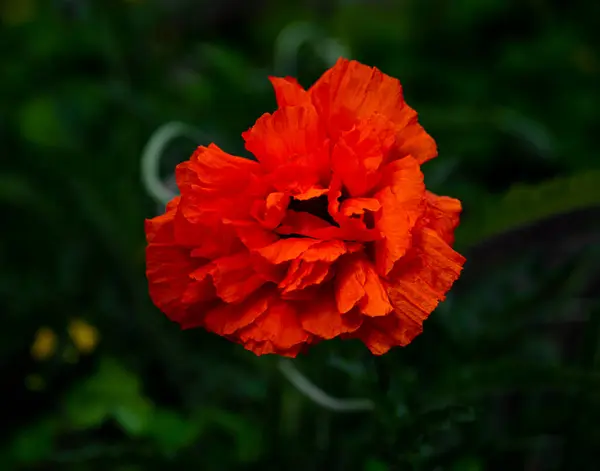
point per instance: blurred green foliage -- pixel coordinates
(507, 372)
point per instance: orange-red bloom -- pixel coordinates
(329, 233)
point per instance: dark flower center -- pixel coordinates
(316, 206)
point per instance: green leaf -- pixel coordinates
(171, 431)
(375, 465)
(526, 204)
(83, 412)
(133, 415)
(35, 442)
(41, 123)
(467, 464)
(248, 442)
(112, 392)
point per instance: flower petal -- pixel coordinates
(310, 193)
(421, 280)
(289, 92)
(442, 214)
(357, 206)
(351, 91)
(202, 231)
(168, 267)
(253, 235)
(357, 282)
(270, 212)
(285, 250)
(377, 341)
(298, 179)
(215, 186)
(313, 267)
(235, 276)
(226, 319)
(278, 325)
(308, 225)
(290, 136)
(359, 153)
(327, 251)
(267, 347)
(380, 334)
(401, 199)
(216, 172)
(162, 226)
(302, 274)
(322, 318)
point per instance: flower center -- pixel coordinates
(316, 206)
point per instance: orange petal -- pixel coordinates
(308, 225)
(401, 201)
(265, 348)
(442, 214)
(350, 229)
(399, 327)
(199, 292)
(313, 266)
(380, 334)
(206, 234)
(271, 211)
(234, 277)
(279, 325)
(299, 179)
(357, 218)
(313, 192)
(302, 274)
(327, 251)
(359, 152)
(291, 135)
(162, 225)
(323, 319)
(418, 283)
(215, 186)
(377, 342)
(413, 140)
(289, 92)
(229, 318)
(215, 170)
(351, 91)
(357, 282)
(168, 269)
(305, 294)
(254, 236)
(285, 250)
(357, 206)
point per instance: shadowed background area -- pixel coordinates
(507, 373)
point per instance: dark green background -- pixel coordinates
(507, 373)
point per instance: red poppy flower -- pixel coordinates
(330, 232)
